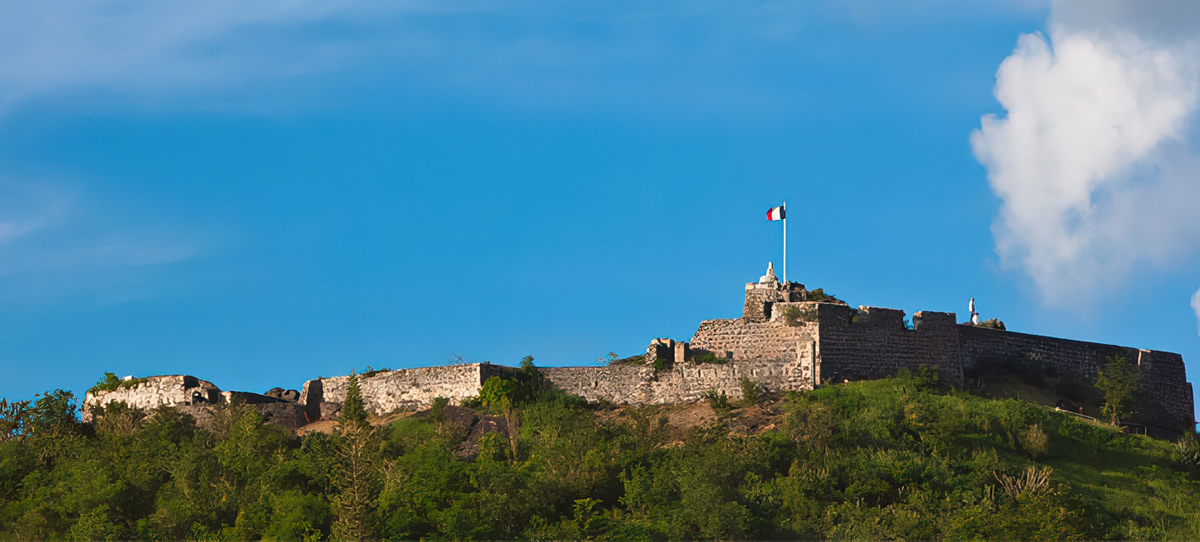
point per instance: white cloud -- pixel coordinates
(28, 208)
(536, 53)
(1093, 159)
(54, 246)
(145, 46)
(1196, 308)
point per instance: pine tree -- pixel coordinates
(358, 480)
(353, 412)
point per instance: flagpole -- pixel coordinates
(785, 243)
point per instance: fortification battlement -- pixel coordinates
(787, 338)
(780, 324)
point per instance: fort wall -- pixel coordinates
(155, 391)
(405, 389)
(682, 382)
(873, 342)
(782, 342)
(777, 337)
(1166, 396)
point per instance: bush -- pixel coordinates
(371, 371)
(1187, 454)
(718, 401)
(794, 316)
(496, 391)
(705, 356)
(751, 395)
(992, 323)
(928, 379)
(1034, 441)
(471, 402)
(820, 296)
(110, 382)
(437, 411)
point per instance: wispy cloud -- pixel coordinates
(54, 247)
(534, 53)
(1093, 159)
(26, 208)
(146, 47)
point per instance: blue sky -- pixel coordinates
(259, 196)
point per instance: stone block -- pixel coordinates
(329, 410)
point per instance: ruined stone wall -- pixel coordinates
(156, 391)
(683, 382)
(773, 340)
(874, 343)
(1166, 398)
(405, 389)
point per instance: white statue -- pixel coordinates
(974, 315)
(770, 276)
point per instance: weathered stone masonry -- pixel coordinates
(782, 342)
(872, 342)
(406, 389)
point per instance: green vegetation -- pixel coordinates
(1118, 382)
(110, 382)
(718, 401)
(794, 316)
(992, 323)
(705, 356)
(902, 458)
(819, 295)
(751, 394)
(371, 371)
(353, 412)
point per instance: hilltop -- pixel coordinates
(897, 458)
(788, 338)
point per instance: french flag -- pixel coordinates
(776, 213)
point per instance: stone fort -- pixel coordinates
(786, 339)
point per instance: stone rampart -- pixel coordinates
(682, 382)
(772, 340)
(1166, 396)
(405, 389)
(153, 392)
(782, 342)
(873, 343)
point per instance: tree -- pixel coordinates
(353, 412)
(1118, 381)
(358, 481)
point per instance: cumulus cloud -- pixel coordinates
(1094, 158)
(1196, 307)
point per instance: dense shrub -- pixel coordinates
(751, 394)
(819, 295)
(718, 401)
(110, 382)
(899, 458)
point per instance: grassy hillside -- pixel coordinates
(893, 459)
